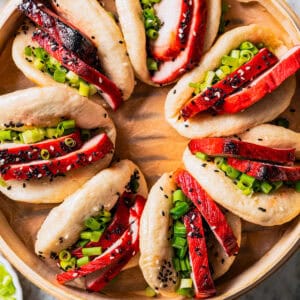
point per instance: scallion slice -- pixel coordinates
(179, 229)
(64, 255)
(297, 186)
(33, 135)
(92, 223)
(178, 195)
(93, 251)
(149, 292)
(45, 155)
(186, 283)
(152, 64)
(59, 76)
(70, 142)
(265, 187)
(180, 209)
(179, 242)
(84, 89)
(201, 155)
(82, 261)
(5, 135)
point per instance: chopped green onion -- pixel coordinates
(95, 236)
(181, 252)
(235, 53)
(246, 46)
(66, 265)
(297, 186)
(73, 78)
(179, 229)
(82, 261)
(219, 161)
(230, 61)
(51, 133)
(201, 155)
(247, 55)
(232, 173)
(65, 127)
(186, 283)
(176, 264)
(178, 242)
(209, 77)
(64, 255)
(220, 74)
(59, 76)
(183, 265)
(93, 251)
(180, 209)
(178, 195)
(86, 235)
(5, 135)
(28, 51)
(3, 182)
(188, 264)
(247, 180)
(105, 213)
(93, 90)
(40, 53)
(38, 64)
(82, 243)
(7, 288)
(70, 142)
(265, 187)
(84, 89)
(45, 154)
(152, 64)
(33, 135)
(189, 293)
(152, 34)
(224, 166)
(149, 292)
(92, 223)
(245, 190)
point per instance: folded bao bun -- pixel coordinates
(44, 107)
(204, 124)
(94, 21)
(262, 209)
(155, 243)
(112, 55)
(132, 24)
(62, 227)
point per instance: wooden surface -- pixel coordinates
(144, 137)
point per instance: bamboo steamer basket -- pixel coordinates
(146, 138)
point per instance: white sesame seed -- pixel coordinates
(90, 158)
(69, 167)
(51, 148)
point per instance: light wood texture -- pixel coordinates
(145, 137)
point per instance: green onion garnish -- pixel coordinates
(70, 142)
(5, 135)
(95, 236)
(3, 182)
(176, 264)
(86, 235)
(84, 89)
(179, 229)
(277, 185)
(64, 255)
(152, 34)
(82, 261)
(247, 180)
(45, 154)
(66, 265)
(152, 64)
(59, 76)
(51, 133)
(266, 188)
(181, 252)
(149, 292)
(92, 223)
(179, 242)
(28, 51)
(33, 135)
(186, 283)
(178, 195)
(93, 251)
(180, 209)
(201, 155)
(232, 173)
